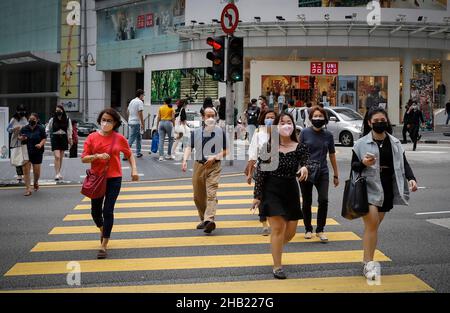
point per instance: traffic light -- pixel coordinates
(235, 64)
(217, 56)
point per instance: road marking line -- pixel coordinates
(191, 262)
(181, 242)
(160, 214)
(182, 187)
(122, 205)
(444, 222)
(347, 284)
(438, 212)
(126, 228)
(177, 195)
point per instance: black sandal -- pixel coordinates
(101, 254)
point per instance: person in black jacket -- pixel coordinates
(405, 120)
(415, 120)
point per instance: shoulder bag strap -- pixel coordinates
(110, 151)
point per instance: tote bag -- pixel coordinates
(355, 203)
(19, 155)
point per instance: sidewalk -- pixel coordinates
(440, 135)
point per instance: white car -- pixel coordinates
(345, 124)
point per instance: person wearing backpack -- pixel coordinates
(252, 115)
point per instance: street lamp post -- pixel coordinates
(85, 61)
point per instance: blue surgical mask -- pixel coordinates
(268, 122)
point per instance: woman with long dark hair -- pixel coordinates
(381, 158)
(103, 149)
(59, 129)
(277, 193)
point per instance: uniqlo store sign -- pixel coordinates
(318, 68)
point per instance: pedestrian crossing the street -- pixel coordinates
(155, 242)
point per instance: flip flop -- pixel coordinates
(101, 254)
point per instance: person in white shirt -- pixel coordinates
(136, 121)
(260, 137)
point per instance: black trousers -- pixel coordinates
(103, 208)
(73, 152)
(322, 186)
(404, 132)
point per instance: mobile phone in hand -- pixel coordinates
(370, 155)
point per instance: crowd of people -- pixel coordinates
(285, 167)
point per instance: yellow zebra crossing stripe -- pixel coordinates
(66, 230)
(190, 195)
(349, 284)
(191, 262)
(180, 242)
(123, 205)
(159, 214)
(181, 187)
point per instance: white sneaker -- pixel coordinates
(170, 157)
(308, 235)
(161, 159)
(322, 237)
(370, 271)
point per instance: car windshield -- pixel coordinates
(191, 116)
(349, 115)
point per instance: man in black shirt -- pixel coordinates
(415, 119)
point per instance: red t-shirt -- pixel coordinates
(97, 143)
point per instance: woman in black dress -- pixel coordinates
(33, 135)
(276, 188)
(60, 130)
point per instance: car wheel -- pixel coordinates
(346, 139)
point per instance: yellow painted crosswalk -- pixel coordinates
(236, 231)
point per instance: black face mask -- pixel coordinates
(318, 123)
(380, 127)
(32, 123)
(22, 113)
(59, 114)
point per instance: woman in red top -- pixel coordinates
(100, 148)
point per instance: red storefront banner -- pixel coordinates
(304, 82)
(331, 68)
(316, 68)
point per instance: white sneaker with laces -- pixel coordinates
(322, 237)
(161, 159)
(370, 271)
(308, 235)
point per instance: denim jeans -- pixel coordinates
(322, 186)
(102, 210)
(135, 134)
(165, 128)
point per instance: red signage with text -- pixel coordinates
(331, 68)
(316, 68)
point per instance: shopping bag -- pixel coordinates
(155, 142)
(19, 155)
(355, 202)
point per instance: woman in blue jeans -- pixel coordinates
(165, 124)
(320, 143)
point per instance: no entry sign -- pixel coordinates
(230, 18)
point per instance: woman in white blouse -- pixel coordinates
(260, 137)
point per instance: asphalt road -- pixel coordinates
(414, 244)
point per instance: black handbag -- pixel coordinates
(314, 171)
(355, 203)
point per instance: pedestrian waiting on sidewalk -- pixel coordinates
(380, 157)
(136, 121)
(33, 135)
(165, 124)
(210, 147)
(59, 128)
(260, 137)
(102, 150)
(19, 120)
(320, 143)
(276, 193)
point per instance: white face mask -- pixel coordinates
(106, 127)
(210, 122)
(259, 102)
(286, 130)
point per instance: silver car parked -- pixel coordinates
(345, 124)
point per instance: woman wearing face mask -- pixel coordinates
(381, 158)
(60, 130)
(19, 120)
(320, 143)
(33, 135)
(260, 137)
(276, 191)
(102, 149)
